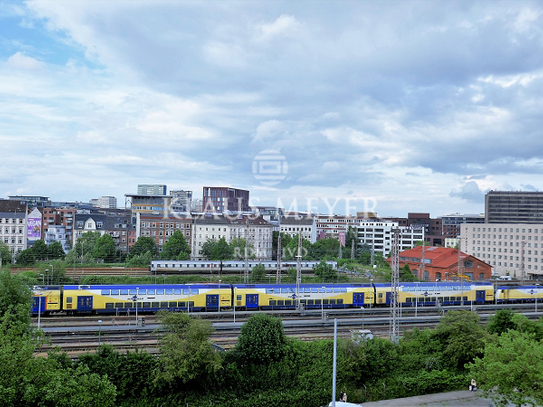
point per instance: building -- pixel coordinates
(432, 227)
(514, 249)
(148, 204)
(105, 202)
(181, 201)
(13, 225)
(34, 226)
(441, 264)
(225, 200)
(378, 235)
(213, 227)
(335, 226)
(117, 226)
(59, 216)
(151, 189)
(513, 207)
(293, 226)
(57, 233)
(33, 201)
(161, 227)
(451, 223)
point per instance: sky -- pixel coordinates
(335, 106)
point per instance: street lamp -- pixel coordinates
(47, 275)
(39, 309)
(235, 300)
(52, 273)
(99, 332)
(42, 278)
(219, 296)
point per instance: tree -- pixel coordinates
(406, 274)
(14, 293)
(501, 322)
(365, 254)
(176, 248)
(325, 272)
(144, 244)
(349, 237)
(105, 248)
(85, 243)
(40, 250)
(261, 340)
(258, 274)
(460, 337)
(221, 251)
(208, 247)
(326, 249)
(5, 255)
(238, 247)
(512, 369)
(285, 240)
(26, 257)
(186, 351)
(56, 251)
(291, 249)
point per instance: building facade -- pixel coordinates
(293, 226)
(57, 233)
(432, 227)
(513, 207)
(451, 223)
(225, 200)
(152, 189)
(378, 236)
(160, 228)
(181, 201)
(13, 225)
(335, 226)
(105, 202)
(117, 226)
(511, 249)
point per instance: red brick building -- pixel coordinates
(441, 263)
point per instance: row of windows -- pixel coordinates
(517, 237)
(504, 243)
(292, 290)
(13, 231)
(11, 220)
(434, 299)
(517, 230)
(170, 225)
(529, 266)
(167, 291)
(160, 304)
(6, 240)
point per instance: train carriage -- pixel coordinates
(46, 299)
(116, 299)
(283, 296)
(213, 266)
(512, 294)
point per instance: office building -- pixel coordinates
(513, 207)
(151, 189)
(451, 223)
(225, 200)
(181, 201)
(378, 235)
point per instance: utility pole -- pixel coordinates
(299, 268)
(394, 289)
(423, 261)
(522, 262)
(246, 278)
(460, 269)
(352, 249)
(279, 253)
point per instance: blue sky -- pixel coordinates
(419, 106)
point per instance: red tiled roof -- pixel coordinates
(442, 257)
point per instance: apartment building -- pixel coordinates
(451, 223)
(161, 227)
(378, 235)
(514, 249)
(116, 225)
(293, 226)
(514, 207)
(225, 200)
(13, 224)
(334, 226)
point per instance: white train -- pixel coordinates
(172, 266)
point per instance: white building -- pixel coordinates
(57, 233)
(514, 249)
(306, 226)
(378, 235)
(13, 225)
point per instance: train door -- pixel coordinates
(358, 299)
(84, 303)
(212, 302)
(480, 296)
(251, 301)
(39, 305)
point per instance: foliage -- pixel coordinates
(207, 248)
(261, 340)
(56, 251)
(141, 260)
(14, 293)
(176, 248)
(291, 249)
(54, 272)
(105, 248)
(325, 272)
(511, 369)
(5, 255)
(258, 273)
(238, 247)
(143, 245)
(221, 251)
(406, 274)
(351, 236)
(285, 240)
(85, 243)
(185, 349)
(325, 249)
(501, 322)
(525, 326)
(39, 251)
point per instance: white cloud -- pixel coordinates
(21, 61)
(285, 25)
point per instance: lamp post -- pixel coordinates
(39, 309)
(323, 288)
(42, 278)
(52, 273)
(99, 332)
(235, 300)
(47, 275)
(135, 299)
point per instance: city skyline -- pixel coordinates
(415, 106)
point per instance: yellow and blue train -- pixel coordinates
(114, 299)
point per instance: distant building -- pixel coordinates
(225, 200)
(514, 207)
(148, 204)
(105, 202)
(117, 226)
(335, 226)
(514, 249)
(57, 233)
(181, 201)
(161, 227)
(57, 216)
(451, 223)
(151, 189)
(33, 201)
(432, 227)
(13, 225)
(378, 235)
(306, 226)
(441, 263)
(196, 206)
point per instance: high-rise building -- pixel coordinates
(151, 189)
(514, 207)
(181, 201)
(451, 223)
(33, 201)
(109, 202)
(225, 200)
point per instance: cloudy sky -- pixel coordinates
(416, 106)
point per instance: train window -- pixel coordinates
(177, 291)
(128, 305)
(150, 292)
(155, 304)
(465, 298)
(340, 301)
(182, 304)
(310, 302)
(343, 290)
(336, 290)
(164, 304)
(68, 300)
(280, 302)
(169, 291)
(139, 305)
(433, 299)
(408, 300)
(329, 290)
(172, 304)
(380, 295)
(119, 305)
(287, 302)
(146, 305)
(307, 290)
(325, 302)
(321, 290)
(114, 292)
(284, 290)
(446, 299)
(194, 291)
(317, 302)
(191, 304)
(314, 290)
(427, 299)
(304, 301)
(332, 302)
(105, 292)
(132, 291)
(272, 303)
(186, 291)
(160, 292)
(269, 290)
(124, 292)
(142, 292)
(109, 305)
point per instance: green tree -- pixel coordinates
(105, 248)
(325, 272)
(143, 245)
(291, 249)
(5, 255)
(261, 340)
(526, 326)
(365, 254)
(326, 249)
(512, 369)
(258, 274)
(238, 247)
(501, 322)
(26, 257)
(55, 251)
(406, 274)
(207, 248)
(85, 243)
(14, 293)
(176, 248)
(186, 351)
(54, 271)
(285, 240)
(40, 250)
(351, 236)
(221, 251)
